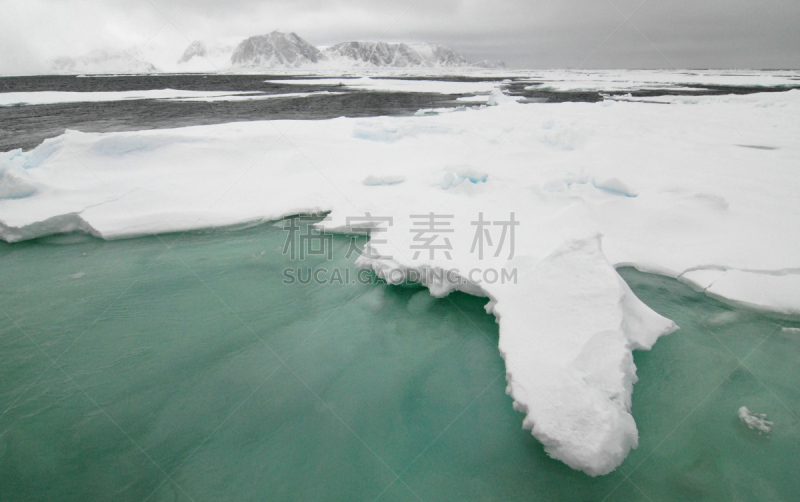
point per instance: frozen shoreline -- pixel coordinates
(670, 189)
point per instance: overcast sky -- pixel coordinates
(523, 33)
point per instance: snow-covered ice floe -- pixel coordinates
(631, 80)
(254, 96)
(58, 97)
(592, 186)
(397, 84)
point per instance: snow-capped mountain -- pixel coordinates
(395, 55)
(288, 50)
(206, 56)
(275, 49)
(488, 63)
(104, 61)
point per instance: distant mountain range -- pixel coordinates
(277, 50)
(105, 60)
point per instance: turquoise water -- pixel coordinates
(131, 371)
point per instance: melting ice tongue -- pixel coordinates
(567, 342)
(568, 356)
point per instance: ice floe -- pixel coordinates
(398, 84)
(58, 97)
(756, 421)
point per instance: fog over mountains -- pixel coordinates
(289, 50)
(276, 51)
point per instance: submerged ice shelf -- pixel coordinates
(169, 362)
(685, 198)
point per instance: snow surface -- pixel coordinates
(666, 189)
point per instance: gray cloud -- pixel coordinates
(525, 34)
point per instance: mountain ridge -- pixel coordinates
(275, 50)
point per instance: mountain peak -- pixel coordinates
(275, 49)
(396, 54)
(196, 48)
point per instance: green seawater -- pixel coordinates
(180, 367)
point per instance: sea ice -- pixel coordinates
(771, 291)
(55, 97)
(705, 210)
(574, 383)
(398, 85)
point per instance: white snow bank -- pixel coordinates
(704, 209)
(256, 96)
(630, 80)
(605, 85)
(757, 421)
(398, 85)
(771, 291)
(56, 97)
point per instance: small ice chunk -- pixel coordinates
(77, 275)
(497, 97)
(755, 420)
(791, 333)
